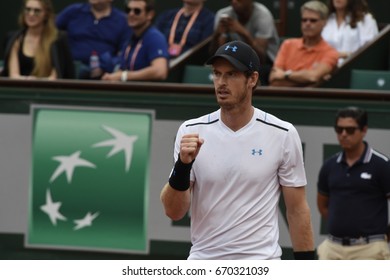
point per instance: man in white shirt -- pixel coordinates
(231, 166)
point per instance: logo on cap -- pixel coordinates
(234, 48)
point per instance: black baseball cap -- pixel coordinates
(239, 54)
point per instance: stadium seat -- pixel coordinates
(370, 79)
(197, 74)
(77, 66)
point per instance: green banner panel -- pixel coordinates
(89, 183)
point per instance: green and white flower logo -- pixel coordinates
(89, 185)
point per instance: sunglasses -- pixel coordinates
(349, 129)
(311, 20)
(137, 11)
(34, 11)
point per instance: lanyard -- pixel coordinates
(186, 30)
(134, 55)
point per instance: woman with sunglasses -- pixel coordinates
(37, 50)
(353, 194)
(349, 26)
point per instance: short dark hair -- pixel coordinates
(149, 4)
(358, 114)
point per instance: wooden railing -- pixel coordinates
(375, 55)
(183, 58)
(96, 89)
(197, 55)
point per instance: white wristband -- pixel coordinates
(124, 76)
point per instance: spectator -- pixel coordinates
(145, 57)
(253, 23)
(353, 194)
(98, 27)
(349, 26)
(38, 49)
(308, 60)
(185, 27)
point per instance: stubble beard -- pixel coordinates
(238, 102)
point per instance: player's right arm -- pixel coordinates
(176, 194)
(176, 203)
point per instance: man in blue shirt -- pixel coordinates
(98, 27)
(353, 194)
(145, 56)
(185, 27)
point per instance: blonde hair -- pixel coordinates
(316, 6)
(42, 58)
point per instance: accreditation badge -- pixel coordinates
(174, 49)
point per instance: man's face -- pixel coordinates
(232, 87)
(100, 4)
(99, 1)
(311, 24)
(137, 15)
(193, 2)
(241, 6)
(349, 140)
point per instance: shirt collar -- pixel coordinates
(365, 158)
(313, 48)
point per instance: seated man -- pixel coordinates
(251, 22)
(185, 27)
(308, 60)
(145, 56)
(94, 27)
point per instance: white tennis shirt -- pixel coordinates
(237, 175)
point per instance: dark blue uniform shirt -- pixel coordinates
(357, 194)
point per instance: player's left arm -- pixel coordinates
(299, 220)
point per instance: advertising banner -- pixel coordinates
(90, 179)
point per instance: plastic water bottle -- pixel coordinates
(94, 60)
